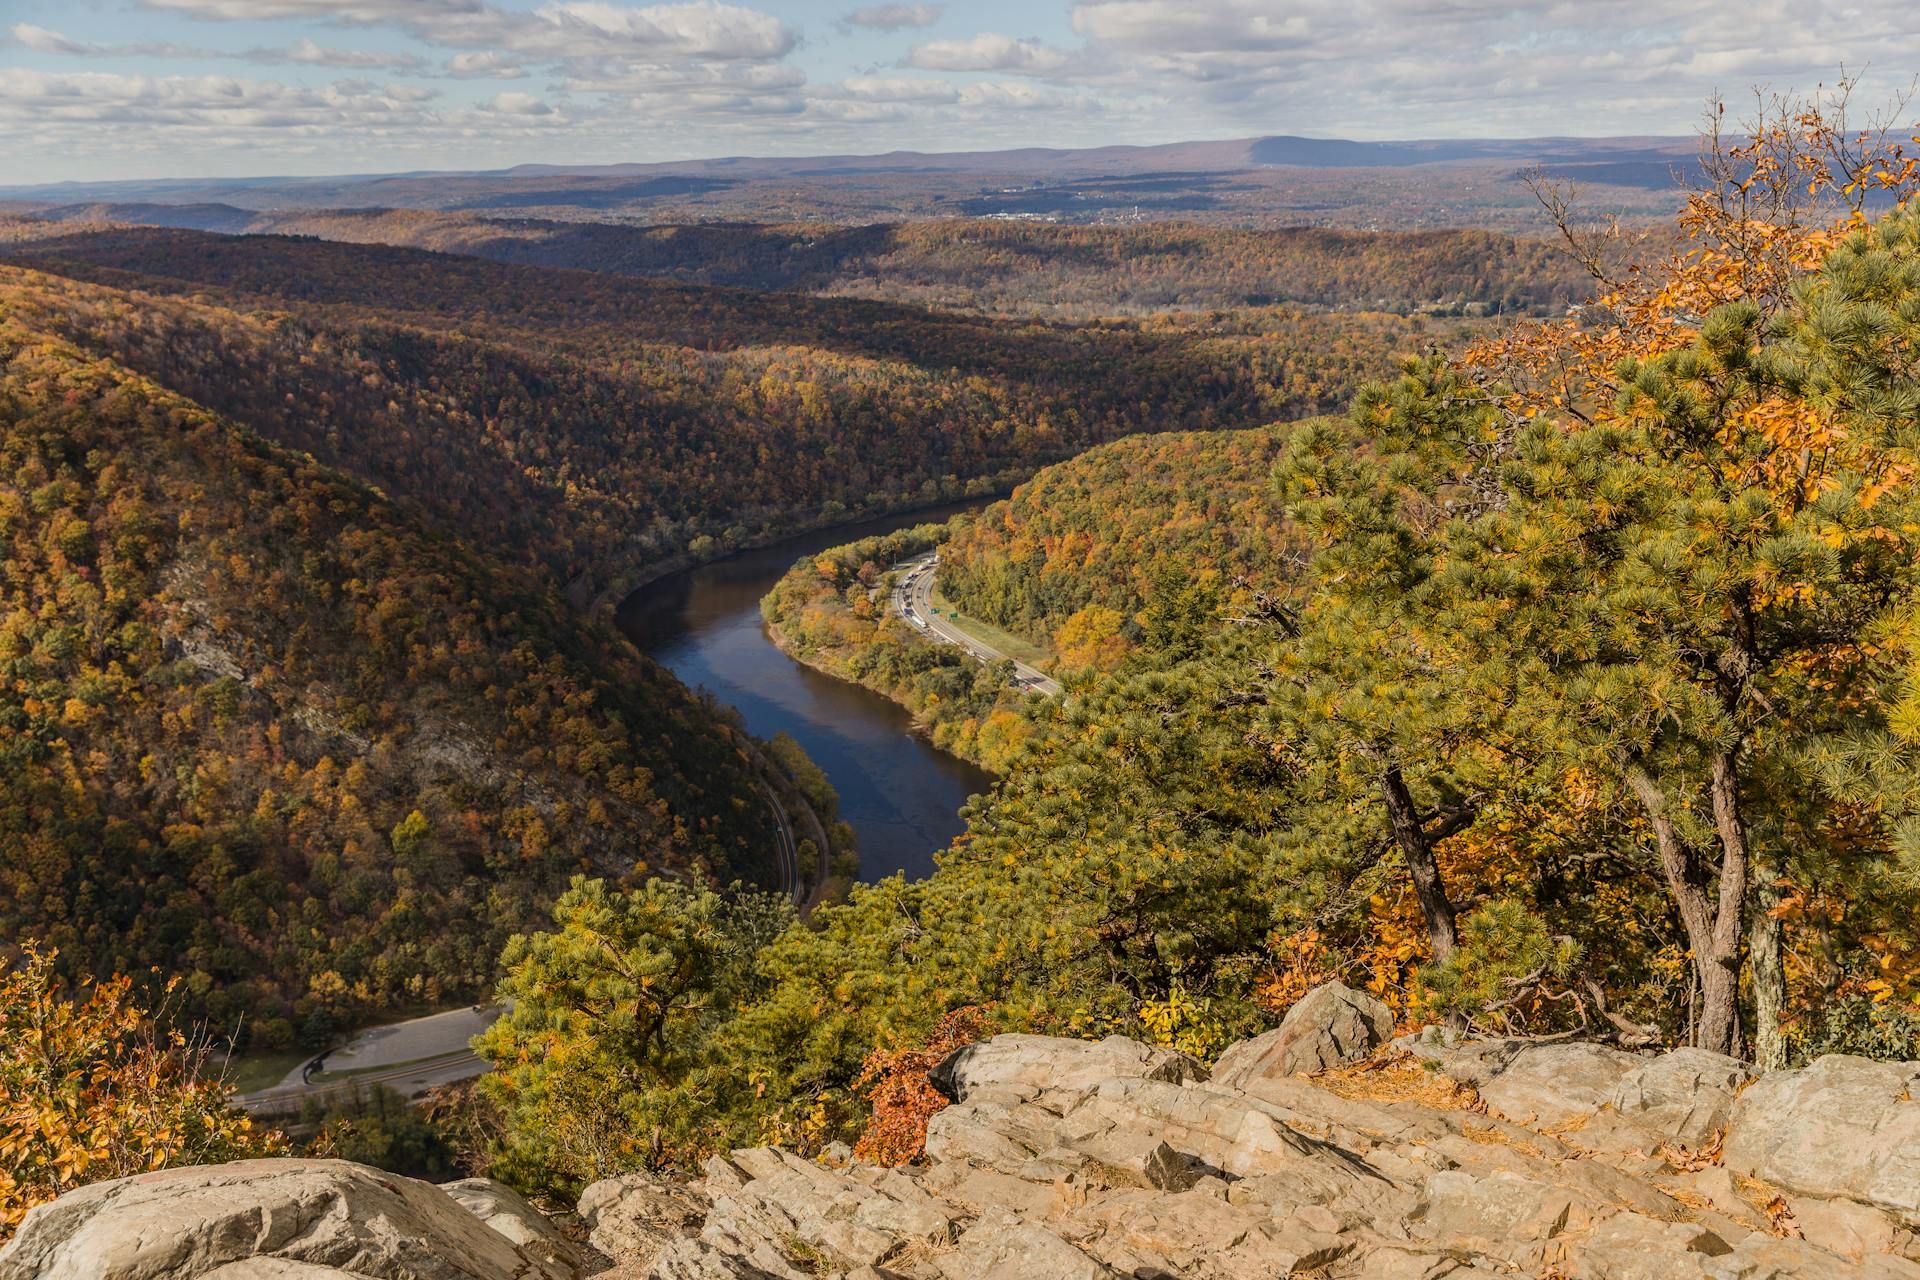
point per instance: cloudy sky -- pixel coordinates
(99, 89)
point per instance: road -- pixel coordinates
(408, 1057)
(913, 600)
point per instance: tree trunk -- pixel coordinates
(1417, 850)
(1713, 930)
(1735, 865)
(1768, 963)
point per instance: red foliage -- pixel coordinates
(903, 1099)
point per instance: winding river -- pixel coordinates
(899, 793)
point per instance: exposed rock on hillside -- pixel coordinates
(1332, 1025)
(286, 1220)
(1066, 1160)
(1060, 1160)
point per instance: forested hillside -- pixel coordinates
(600, 426)
(349, 737)
(968, 264)
(260, 729)
(1133, 550)
(1144, 541)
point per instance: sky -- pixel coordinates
(111, 89)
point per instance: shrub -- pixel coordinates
(1858, 1024)
(1501, 975)
(93, 1086)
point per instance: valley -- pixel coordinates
(1008, 740)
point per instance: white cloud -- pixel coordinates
(485, 65)
(319, 55)
(893, 17)
(988, 51)
(348, 11)
(41, 40)
(653, 80)
(724, 31)
(197, 102)
(569, 28)
(307, 51)
(1167, 26)
(728, 79)
(517, 104)
(898, 89)
(1016, 96)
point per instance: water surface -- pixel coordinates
(899, 793)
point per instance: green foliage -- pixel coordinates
(1168, 531)
(1860, 1025)
(832, 612)
(1676, 593)
(1505, 952)
(600, 1058)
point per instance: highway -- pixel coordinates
(913, 601)
(408, 1057)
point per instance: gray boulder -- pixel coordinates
(507, 1212)
(1842, 1127)
(698, 1260)
(278, 1269)
(1331, 1025)
(271, 1219)
(1556, 1084)
(1470, 1062)
(1024, 1063)
(1003, 1247)
(1686, 1096)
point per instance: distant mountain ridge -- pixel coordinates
(902, 183)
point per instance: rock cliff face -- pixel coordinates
(1062, 1160)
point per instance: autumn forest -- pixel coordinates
(1522, 630)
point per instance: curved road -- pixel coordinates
(913, 600)
(408, 1057)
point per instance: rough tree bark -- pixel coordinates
(1720, 1004)
(1416, 848)
(1766, 961)
(1710, 914)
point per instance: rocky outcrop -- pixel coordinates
(1432, 1159)
(636, 1217)
(1020, 1060)
(1843, 1128)
(1557, 1084)
(284, 1220)
(506, 1211)
(1687, 1094)
(1061, 1160)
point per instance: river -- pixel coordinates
(899, 793)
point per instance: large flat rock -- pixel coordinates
(271, 1218)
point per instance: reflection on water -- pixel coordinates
(899, 793)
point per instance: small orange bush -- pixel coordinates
(903, 1100)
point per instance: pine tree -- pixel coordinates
(1680, 586)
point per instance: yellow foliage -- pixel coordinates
(93, 1087)
(1091, 639)
(1184, 1023)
